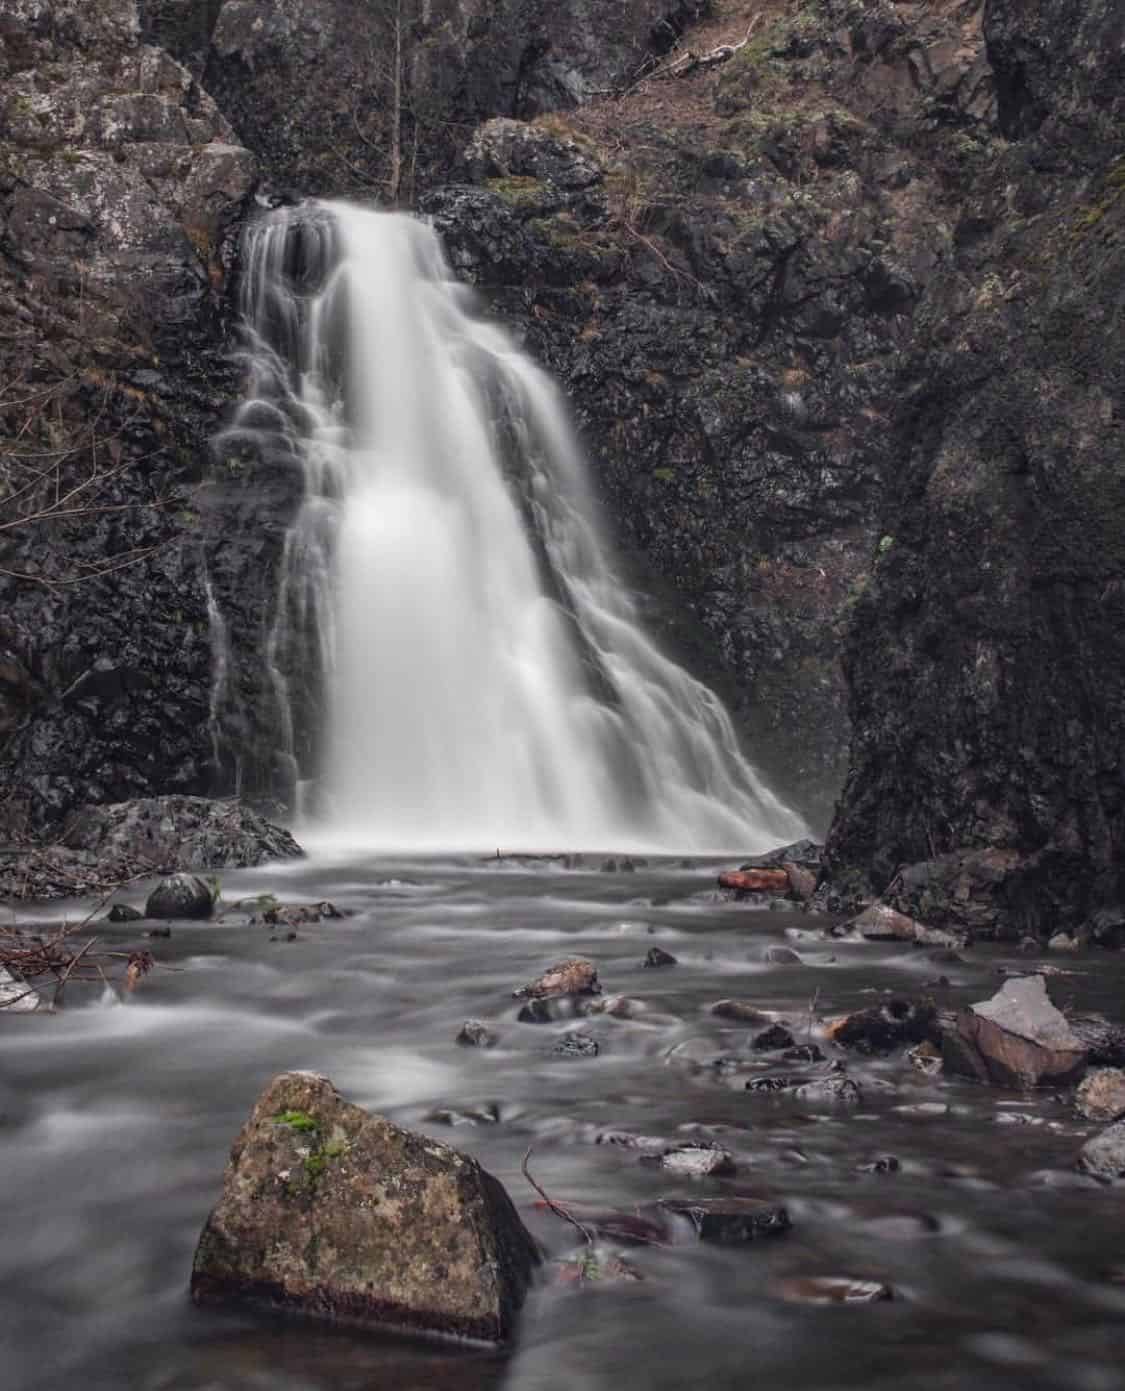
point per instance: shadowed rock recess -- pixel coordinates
(330, 1211)
(840, 318)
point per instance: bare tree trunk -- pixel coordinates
(394, 181)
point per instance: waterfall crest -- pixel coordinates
(485, 679)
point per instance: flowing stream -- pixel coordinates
(115, 1122)
(484, 676)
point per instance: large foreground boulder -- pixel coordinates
(333, 1212)
(1016, 1039)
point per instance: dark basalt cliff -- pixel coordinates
(840, 318)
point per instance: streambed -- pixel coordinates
(115, 1122)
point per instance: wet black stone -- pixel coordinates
(731, 1221)
(657, 956)
(123, 913)
(181, 896)
(777, 1036)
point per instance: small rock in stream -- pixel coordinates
(886, 1027)
(694, 1160)
(833, 1090)
(1101, 1096)
(1104, 1041)
(926, 1058)
(181, 896)
(157, 932)
(1064, 942)
(657, 956)
(576, 1045)
(731, 1221)
(574, 976)
(297, 914)
(475, 1034)
(1103, 1157)
(803, 1053)
(597, 1266)
(773, 1039)
(123, 913)
(882, 1164)
(740, 1011)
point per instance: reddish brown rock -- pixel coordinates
(755, 881)
(330, 1211)
(1016, 1039)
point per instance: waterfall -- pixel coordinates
(446, 589)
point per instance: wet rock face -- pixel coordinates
(333, 1212)
(461, 62)
(998, 579)
(119, 180)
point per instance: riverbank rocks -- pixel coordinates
(1016, 1039)
(1103, 1157)
(1101, 1096)
(181, 896)
(330, 1211)
(882, 923)
(161, 834)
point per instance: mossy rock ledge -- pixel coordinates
(332, 1212)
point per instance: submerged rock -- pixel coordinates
(740, 1011)
(576, 1045)
(181, 896)
(1017, 1038)
(832, 1289)
(330, 1211)
(731, 1221)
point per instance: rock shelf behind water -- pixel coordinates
(330, 1211)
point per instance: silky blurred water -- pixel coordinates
(115, 1122)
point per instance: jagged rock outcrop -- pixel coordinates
(118, 181)
(987, 656)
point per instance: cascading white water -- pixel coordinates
(486, 681)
